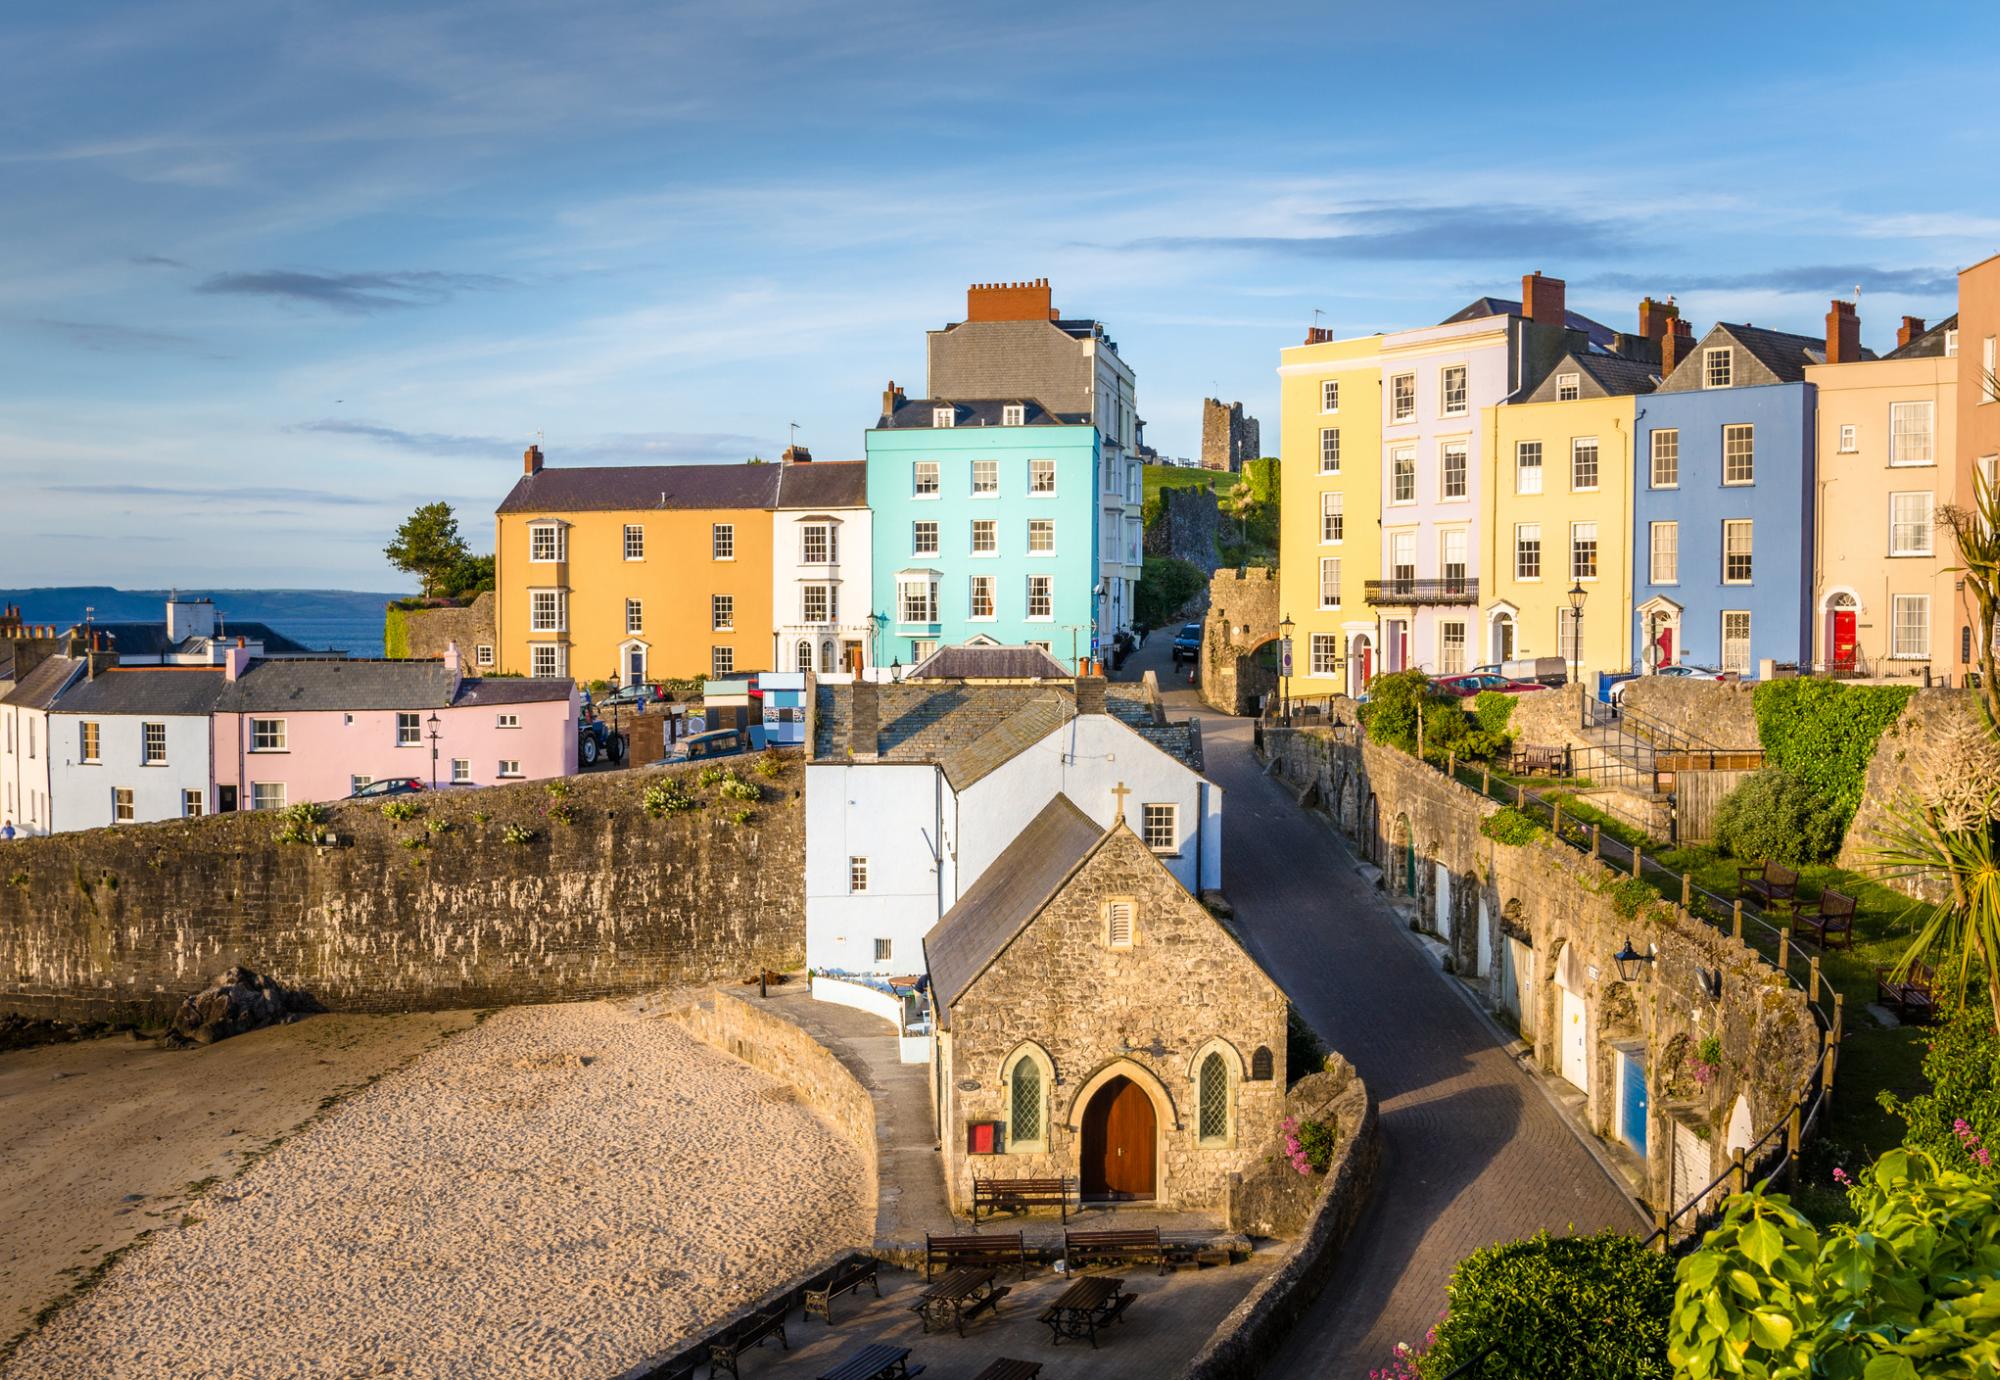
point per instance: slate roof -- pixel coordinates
(988, 661)
(1013, 890)
(1599, 333)
(38, 689)
(971, 730)
(304, 686)
(163, 690)
(824, 484)
(1929, 345)
(1784, 353)
(634, 488)
(150, 639)
(916, 413)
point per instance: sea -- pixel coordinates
(330, 619)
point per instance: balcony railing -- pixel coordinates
(1398, 593)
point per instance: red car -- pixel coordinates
(1471, 683)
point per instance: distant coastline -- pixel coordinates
(333, 619)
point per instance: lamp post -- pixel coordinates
(435, 722)
(1285, 669)
(1577, 594)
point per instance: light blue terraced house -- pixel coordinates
(985, 525)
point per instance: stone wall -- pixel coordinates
(1715, 712)
(120, 923)
(1566, 914)
(1186, 528)
(1229, 436)
(1242, 617)
(1935, 727)
(427, 632)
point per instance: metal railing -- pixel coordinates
(1461, 589)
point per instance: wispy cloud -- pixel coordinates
(1425, 233)
(156, 261)
(110, 338)
(1817, 278)
(652, 447)
(358, 293)
(423, 442)
(222, 493)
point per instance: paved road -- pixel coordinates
(1472, 1153)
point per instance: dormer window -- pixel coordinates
(1014, 414)
(944, 416)
(547, 542)
(1717, 368)
(1568, 387)
(1951, 342)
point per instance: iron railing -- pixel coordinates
(1398, 593)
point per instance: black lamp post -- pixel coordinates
(1285, 669)
(1577, 594)
(895, 668)
(1628, 960)
(435, 722)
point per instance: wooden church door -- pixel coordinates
(1118, 1142)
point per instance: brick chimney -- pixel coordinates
(1028, 301)
(892, 398)
(1676, 345)
(1089, 692)
(798, 455)
(531, 460)
(1654, 316)
(99, 655)
(1912, 327)
(1843, 333)
(1318, 335)
(864, 721)
(1542, 298)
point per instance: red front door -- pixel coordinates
(1118, 1139)
(1843, 639)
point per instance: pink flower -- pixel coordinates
(1840, 1176)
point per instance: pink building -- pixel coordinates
(310, 730)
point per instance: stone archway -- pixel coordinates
(1122, 1107)
(1242, 619)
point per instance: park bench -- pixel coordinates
(1000, 1251)
(1531, 760)
(1018, 1195)
(1771, 884)
(1007, 1368)
(1831, 916)
(1914, 996)
(753, 1331)
(1083, 1248)
(843, 1279)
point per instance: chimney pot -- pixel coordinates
(1912, 327)
(531, 460)
(1675, 344)
(1843, 333)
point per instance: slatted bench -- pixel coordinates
(844, 1279)
(753, 1331)
(998, 1251)
(1914, 996)
(1085, 1248)
(1019, 1195)
(1770, 884)
(1831, 916)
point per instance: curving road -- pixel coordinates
(1472, 1153)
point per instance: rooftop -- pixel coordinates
(38, 689)
(1599, 333)
(987, 661)
(1929, 345)
(150, 639)
(303, 686)
(824, 484)
(164, 690)
(637, 488)
(976, 412)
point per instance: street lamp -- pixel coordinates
(1577, 594)
(896, 669)
(435, 722)
(1285, 669)
(1628, 960)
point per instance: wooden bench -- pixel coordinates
(844, 1279)
(1769, 883)
(1007, 1368)
(1831, 916)
(1084, 1248)
(753, 1331)
(1022, 1194)
(1000, 1251)
(1530, 760)
(1914, 996)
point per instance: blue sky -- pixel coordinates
(271, 274)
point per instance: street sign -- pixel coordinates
(1284, 656)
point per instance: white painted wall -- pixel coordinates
(82, 790)
(24, 770)
(887, 813)
(851, 575)
(1084, 760)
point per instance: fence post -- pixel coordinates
(1451, 764)
(1687, 889)
(1660, 1227)
(1556, 817)
(1635, 860)
(1839, 1001)
(1742, 1175)
(1826, 1076)
(1785, 949)
(1736, 927)
(1792, 1138)
(1595, 833)
(1520, 795)
(1812, 983)
(1486, 780)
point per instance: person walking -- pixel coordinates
(7, 832)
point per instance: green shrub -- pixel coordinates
(1963, 1068)
(1305, 1052)
(300, 823)
(1167, 585)
(1396, 699)
(741, 816)
(1630, 895)
(415, 841)
(1511, 826)
(1494, 711)
(401, 809)
(395, 633)
(561, 811)
(708, 776)
(558, 790)
(1825, 731)
(1578, 1307)
(439, 826)
(769, 764)
(518, 834)
(1778, 817)
(668, 797)
(736, 788)
(1317, 1139)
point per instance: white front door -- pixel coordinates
(1442, 892)
(1575, 1041)
(1521, 965)
(1484, 939)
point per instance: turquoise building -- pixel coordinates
(986, 524)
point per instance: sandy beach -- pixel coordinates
(560, 1191)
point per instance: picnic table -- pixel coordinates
(961, 1295)
(876, 1361)
(1006, 1368)
(1086, 1306)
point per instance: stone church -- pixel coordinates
(1094, 1021)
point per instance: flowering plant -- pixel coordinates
(1969, 1138)
(1294, 1151)
(1706, 1061)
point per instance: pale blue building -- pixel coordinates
(986, 524)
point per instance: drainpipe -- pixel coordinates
(1200, 831)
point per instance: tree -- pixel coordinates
(428, 546)
(1242, 502)
(1960, 931)
(471, 575)
(1975, 533)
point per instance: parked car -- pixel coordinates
(1472, 682)
(1187, 643)
(387, 787)
(595, 740)
(719, 742)
(635, 697)
(1682, 670)
(1543, 670)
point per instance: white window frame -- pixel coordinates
(944, 417)
(482, 655)
(409, 729)
(1569, 387)
(1402, 403)
(548, 543)
(1042, 591)
(461, 771)
(989, 529)
(721, 660)
(1524, 533)
(1461, 450)
(1402, 467)
(1578, 445)
(1160, 827)
(926, 606)
(1329, 582)
(1740, 664)
(635, 616)
(508, 768)
(507, 720)
(828, 538)
(1909, 445)
(267, 735)
(1454, 382)
(1901, 649)
(1452, 644)
(1329, 395)
(1332, 518)
(1323, 653)
(1013, 414)
(89, 741)
(1580, 532)
(1900, 525)
(1718, 367)
(722, 613)
(926, 480)
(1455, 541)
(816, 603)
(722, 541)
(857, 875)
(917, 533)
(1749, 527)
(554, 656)
(1746, 432)
(1041, 478)
(986, 479)
(981, 587)
(635, 542)
(152, 744)
(1528, 478)
(124, 805)
(194, 802)
(1663, 543)
(1666, 446)
(1329, 450)
(548, 611)
(1045, 525)
(1850, 439)
(267, 795)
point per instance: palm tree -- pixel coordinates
(1961, 867)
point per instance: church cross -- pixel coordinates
(1121, 790)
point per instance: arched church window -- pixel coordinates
(1026, 1126)
(1214, 1123)
(826, 658)
(805, 656)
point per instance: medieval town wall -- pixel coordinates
(425, 633)
(1242, 616)
(120, 924)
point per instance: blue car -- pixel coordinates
(1187, 643)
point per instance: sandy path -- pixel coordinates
(560, 1192)
(103, 1140)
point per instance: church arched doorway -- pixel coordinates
(1120, 1137)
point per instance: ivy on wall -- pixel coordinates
(1824, 732)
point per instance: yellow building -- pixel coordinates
(1883, 592)
(1330, 442)
(636, 573)
(1561, 515)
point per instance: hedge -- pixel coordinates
(395, 633)
(1824, 732)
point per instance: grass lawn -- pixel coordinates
(1160, 477)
